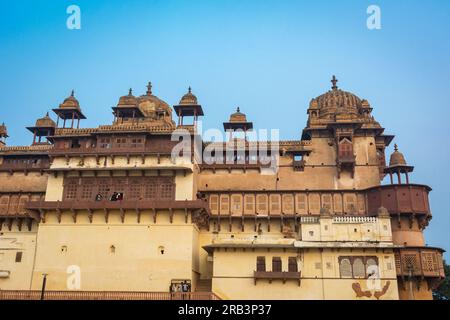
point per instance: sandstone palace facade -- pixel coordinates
(108, 213)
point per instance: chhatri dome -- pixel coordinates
(188, 99)
(128, 100)
(397, 158)
(45, 122)
(238, 116)
(70, 102)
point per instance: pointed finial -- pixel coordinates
(130, 92)
(46, 114)
(334, 81)
(395, 147)
(190, 89)
(238, 109)
(72, 94)
(149, 88)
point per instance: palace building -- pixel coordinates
(109, 212)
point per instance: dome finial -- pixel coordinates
(334, 81)
(395, 147)
(190, 89)
(238, 109)
(72, 94)
(130, 92)
(46, 114)
(149, 88)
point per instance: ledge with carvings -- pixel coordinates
(198, 208)
(274, 275)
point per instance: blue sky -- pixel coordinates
(267, 57)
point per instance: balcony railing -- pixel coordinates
(104, 295)
(274, 275)
(24, 166)
(298, 165)
(120, 204)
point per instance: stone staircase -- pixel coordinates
(204, 285)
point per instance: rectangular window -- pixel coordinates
(261, 264)
(236, 204)
(71, 189)
(167, 191)
(150, 189)
(292, 266)
(87, 190)
(135, 189)
(224, 204)
(105, 143)
(288, 203)
(261, 207)
(276, 264)
(214, 204)
(301, 203)
(18, 256)
(249, 204)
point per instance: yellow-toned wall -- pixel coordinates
(233, 275)
(12, 242)
(184, 187)
(136, 265)
(54, 188)
(329, 230)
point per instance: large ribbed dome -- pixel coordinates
(337, 101)
(149, 103)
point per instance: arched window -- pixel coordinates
(345, 268)
(358, 268)
(372, 266)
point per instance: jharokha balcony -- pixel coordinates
(420, 263)
(400, 199)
